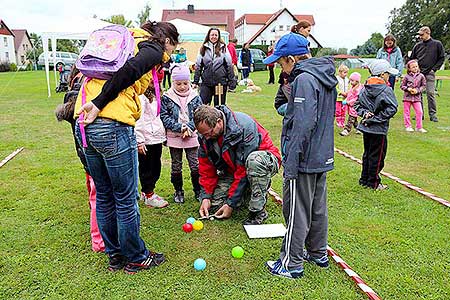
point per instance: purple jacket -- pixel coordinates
(415, 81)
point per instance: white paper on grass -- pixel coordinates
(265, 230)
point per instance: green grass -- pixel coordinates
(396, 240)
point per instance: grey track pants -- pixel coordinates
(306, 215)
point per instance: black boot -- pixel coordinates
(178, 197)
(177, 181)
(195, 184)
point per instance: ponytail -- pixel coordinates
(160, 31)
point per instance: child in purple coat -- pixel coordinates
(413, 84)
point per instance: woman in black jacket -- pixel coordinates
(215, 69)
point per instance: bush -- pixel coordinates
(13, 67)
(5, 66)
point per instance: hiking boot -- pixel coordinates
(277, 269)
(344, 132)
(116, 262)
(153, 260)
(381, 187)
(155, 201)
(321, 262)
(256, 218)
(421, 130)
(178, 197)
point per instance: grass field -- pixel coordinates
(396, 240)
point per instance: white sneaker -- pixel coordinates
(155, 201)
(344, 132)
(409, 129)
(358, 132)
(421, 130)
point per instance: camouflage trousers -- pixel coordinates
(260, 166)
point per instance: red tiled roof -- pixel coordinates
(4, 30)
(263, 18)
(274, 17)
(344, 56)
(208, 17)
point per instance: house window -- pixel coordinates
(22, 59)
(263, 42)
(280, 28)
(273, 29)
(7, 56)
(5, 41)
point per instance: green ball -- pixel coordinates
(237, 252)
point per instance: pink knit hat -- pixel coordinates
(355, 76)
(180, 72)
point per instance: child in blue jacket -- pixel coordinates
(307, 142)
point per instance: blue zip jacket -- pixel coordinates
(307, 137)
(395, 59)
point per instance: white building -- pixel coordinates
(266, 29)
(7, 51)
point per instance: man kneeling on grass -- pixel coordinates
(237, 160)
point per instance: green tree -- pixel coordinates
(143, 15)
(120, 20)
(404, 22)
(371, 46)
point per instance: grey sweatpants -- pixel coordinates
(306, 215)
(431, 99)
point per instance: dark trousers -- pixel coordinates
(392, 81)
(375, 147)
(271, 75)
(208, 92)
(150, 167)
(245, 72)
(166, 77)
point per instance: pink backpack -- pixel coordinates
(105, 52)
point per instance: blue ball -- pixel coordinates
(190, 220)
(199, 264)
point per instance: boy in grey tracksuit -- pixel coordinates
(307, 143)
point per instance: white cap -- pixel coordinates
(380, 66)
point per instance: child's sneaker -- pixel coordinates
(116, 262)
(178, 197)
(155, 201)
(322, 262)
(153, 260)
(277, 269)
(381, 187)
(344, 132)
(409, 129)
(421, 130)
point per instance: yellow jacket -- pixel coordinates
(126, 108)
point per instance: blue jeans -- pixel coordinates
(111, 157)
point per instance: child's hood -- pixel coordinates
(375, 86)
(321, 68)
(175, 98)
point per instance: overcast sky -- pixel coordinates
(339, 23)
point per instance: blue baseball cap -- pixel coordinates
(288, 44)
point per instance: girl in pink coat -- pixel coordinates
(352, 96)
(413, 84)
